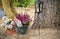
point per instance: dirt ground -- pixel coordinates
(46, 33)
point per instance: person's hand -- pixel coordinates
(14, 19)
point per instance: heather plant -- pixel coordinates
(25, 18)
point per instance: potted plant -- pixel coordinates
(25, 20)
(8, 25)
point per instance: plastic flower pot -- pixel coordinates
(22, 30)
(10, 31)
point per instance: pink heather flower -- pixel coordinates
(18, 16)
(23, 17)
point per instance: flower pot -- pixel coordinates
(22, 30)
(10, 31)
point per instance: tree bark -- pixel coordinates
(50, 17)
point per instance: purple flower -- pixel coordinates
(18, 16)
(23, 17)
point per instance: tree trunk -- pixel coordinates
(50, 16)
(9, 8)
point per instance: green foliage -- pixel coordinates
(16, 3)
(21, 3)
(32, 1)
